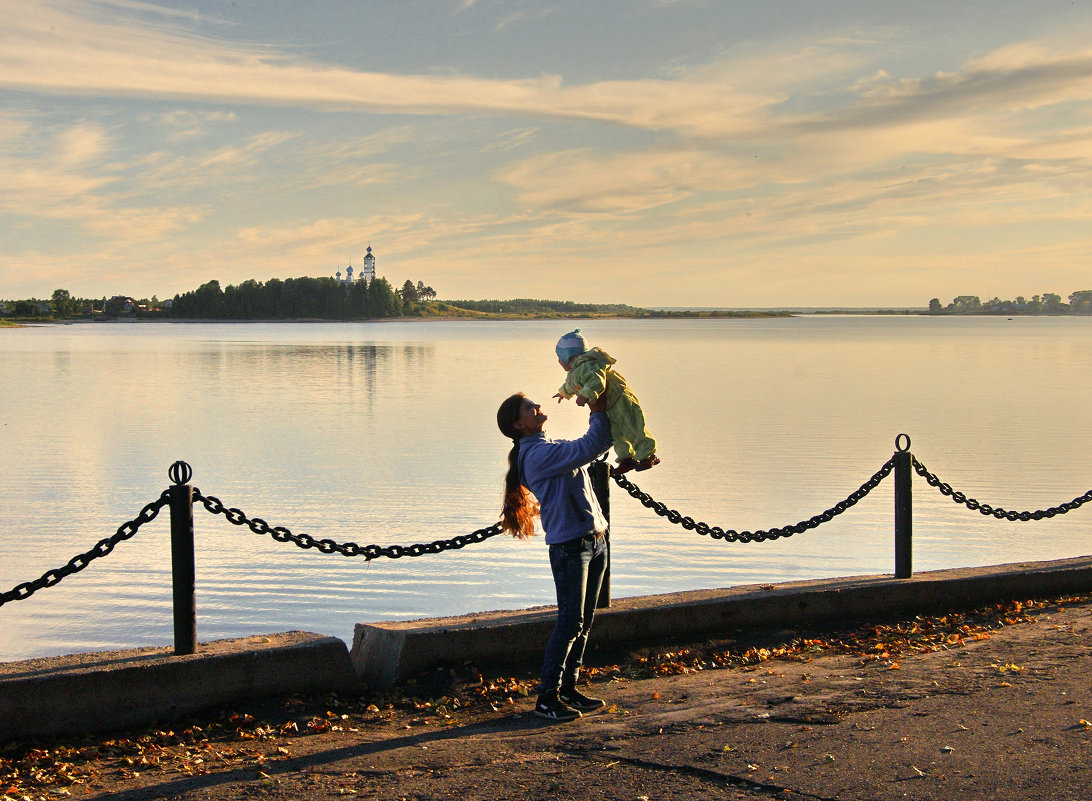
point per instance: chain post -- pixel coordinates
(183, 567)
(599, 472)
(904, 508)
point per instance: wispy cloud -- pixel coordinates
(791, 155)
(57, 49)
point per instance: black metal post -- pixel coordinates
(183, 569)
(904, 509)
(599, 472)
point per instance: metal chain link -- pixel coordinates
(369, 552)
(80, 561)
(998, 512)
(718, 533)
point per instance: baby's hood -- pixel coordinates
(596, 355)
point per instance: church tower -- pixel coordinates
(367, 274)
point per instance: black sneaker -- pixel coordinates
(570, 696)
(549, 706)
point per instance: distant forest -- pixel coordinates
(293, 298)
(320, 299)
(330, 299)
(299, 299)
(1079, 303)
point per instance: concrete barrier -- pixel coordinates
(103, 691)
(384, 653)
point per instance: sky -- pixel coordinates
(651, 152)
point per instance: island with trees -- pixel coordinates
(303, 299)
(1047, 303)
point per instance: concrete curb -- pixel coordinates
(103, 691)
(385, 653)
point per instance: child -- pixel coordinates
(591, 373)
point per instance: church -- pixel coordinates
(367, 272)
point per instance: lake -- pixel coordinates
(385, 433)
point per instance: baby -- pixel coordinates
(590, 374)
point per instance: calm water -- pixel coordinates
(385, 433)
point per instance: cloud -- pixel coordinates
(184, 124)
(999, 83)
(54, 48)
(772, 156)
(59, 49)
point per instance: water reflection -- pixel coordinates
(385, 434)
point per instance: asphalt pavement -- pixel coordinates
(1003, 714)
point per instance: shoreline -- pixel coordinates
(975, 705)
(717, 314)
(654, 317)
(85, 692)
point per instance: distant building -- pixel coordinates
(120, 305)
(366, 274)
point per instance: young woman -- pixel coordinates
(549, 478)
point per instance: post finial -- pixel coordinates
(180, 473)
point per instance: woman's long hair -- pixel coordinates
(520, 506)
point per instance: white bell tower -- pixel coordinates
(367, 273)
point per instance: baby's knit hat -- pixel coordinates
(572, 344)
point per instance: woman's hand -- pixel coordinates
(599, 404)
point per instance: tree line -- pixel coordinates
(528, 306)
(293, 298)
(1047, 303)
(276, 299)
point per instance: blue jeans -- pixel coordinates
(578, 567)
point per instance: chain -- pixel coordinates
(369, 552)
(999, 513)
(718, 533)
(80, 561)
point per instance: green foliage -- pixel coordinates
(526, 306)
(1081, 302)
(1047, 303)
(294, 298)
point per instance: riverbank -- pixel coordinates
(972, 704)
(101, 692)
(452, 315)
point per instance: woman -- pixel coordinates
(548, 478)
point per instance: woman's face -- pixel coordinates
(531, 418)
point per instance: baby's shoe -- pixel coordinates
(647, 462)
(625, 465)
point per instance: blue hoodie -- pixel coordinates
(554, 471)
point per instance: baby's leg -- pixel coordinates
(623, 449)
(631, 426)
